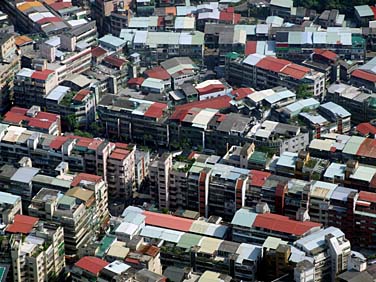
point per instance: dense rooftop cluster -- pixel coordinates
(187, 141)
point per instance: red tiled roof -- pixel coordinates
(91, 264)
(258, 177)
(119, 154)
(295, 71)
(136, 80)
(217, 103)
(46, 115)
(210, 89)
(241, 93)
(18, 110)
(58, 142)
(81, 95)
(98, 52)
(366, 128)
(373, 8)
(250, 47)
(167, 221)
(41, 75)
(361, 74)
(49, 20)
(158, 73)
(326, 54)
(14, 118)
(37, 123)
(283, 224)
(121, 145)
(367, 196)
(132, 260)
(60, 5)
(22, 224)
(117, 62)
(229, 17)
(367, 148)
(272, 64)
(155, 110)
(85, 177)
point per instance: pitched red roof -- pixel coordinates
(42, 119)
(81, 95)
(326, 54)
(91, 264)
(168, 221)
(258, 177)
(295, 71)
(155, 110)
(41, 75)
(22, 224)
(217, 103)
(214, 87)
(14, 118)
(116, 62)
(136, 80)
(283, 224)
(367, 196)
(373, 8)
(85, 177)
(250, 47)
(49, 20)
(37, 123)
(60, 5)
(241, 93)
(58, 142)
(366, 128)
(229, 16)
(367, 148)
(272, 64)
(18, 110)
(158, 73)
(119, 154)
(98, 52)
(361, 74)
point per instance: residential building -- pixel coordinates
(250, 227)
(365, 76)
(39, 256)
(181, 70)
(330, 250)
(32, 86)
(10, 205)
(364, 14)
(9, 66)
(34, 119)
(134, 120)
(88, 268)
(262, 72)
(281, 8)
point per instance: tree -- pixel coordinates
(71, 122)
(302, 91)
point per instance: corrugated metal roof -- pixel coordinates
(244, 217)
(189, 240)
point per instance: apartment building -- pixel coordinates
(254, 228)
(34, 119)
(159, 175)
(39, 256)
(330, 250)
(346, 42)
(68, 103)
(32, 86)
(155, 47)
(10, 64)
(10, 206)
(72, 213)
(134, 120)
(357, 101)
(121, 172)
(263, 72)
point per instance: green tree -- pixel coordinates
(302, 91)
(71, 122)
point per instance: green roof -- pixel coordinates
(258, 157)
(232, 55)
(188, 240)
(105, 245)
(67, 200)
(357, 39)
